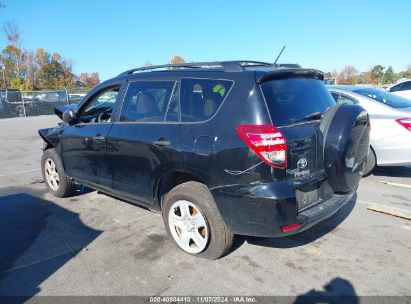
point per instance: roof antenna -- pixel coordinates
(275, 62)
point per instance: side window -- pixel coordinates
(201, 98)
(147, 101)
(396, 88)
(406, 86)
(100, 105)
(341, 99)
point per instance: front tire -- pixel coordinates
(192, 220)
(54, 176)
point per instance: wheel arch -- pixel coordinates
(171, 179)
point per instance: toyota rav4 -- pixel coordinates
(218, 148)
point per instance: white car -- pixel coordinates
(390, 118)
(402, 88)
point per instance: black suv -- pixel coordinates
(220, 148)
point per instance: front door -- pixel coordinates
(141, 144)
(84, 143)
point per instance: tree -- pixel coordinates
(90, 80)
(408, 73)
(377, 73)
(31, 69)
(389, 76)
(176, 59)
(12, 33)
(10, 58)
(94, 79)
(68, 76)
(348, 75)
(41, 59)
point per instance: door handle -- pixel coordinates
(161, 143)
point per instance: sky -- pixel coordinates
(109, 37)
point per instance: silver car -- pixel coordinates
(390, 117)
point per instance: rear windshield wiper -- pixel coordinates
(309, 117)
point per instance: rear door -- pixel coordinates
(141, 144)
(296, 106)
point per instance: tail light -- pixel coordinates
(267, 142)
(405, 122)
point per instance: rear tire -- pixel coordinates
(371, 163)
(216, 238)
(57, 182)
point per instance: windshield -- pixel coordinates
(293, 99)
(384, 97)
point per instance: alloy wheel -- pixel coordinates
(52, 175)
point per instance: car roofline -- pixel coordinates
(226, 66)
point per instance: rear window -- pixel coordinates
(386, 98)
(292, 99)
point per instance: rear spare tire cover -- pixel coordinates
(346, 139)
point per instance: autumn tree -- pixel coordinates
(176, 59)
(31, 69)
(51, 71)
(90, 80)
(348, 75)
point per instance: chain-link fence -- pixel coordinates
(16, 103)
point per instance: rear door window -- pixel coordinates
(292, 99)
(201, 98)
(147, 101)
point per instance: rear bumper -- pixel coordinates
(263, 209)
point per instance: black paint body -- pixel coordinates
(122, 159)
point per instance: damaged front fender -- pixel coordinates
(50, 137)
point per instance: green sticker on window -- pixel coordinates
(220, 89)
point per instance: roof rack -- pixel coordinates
(228, 66)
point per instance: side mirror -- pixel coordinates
(69, 116)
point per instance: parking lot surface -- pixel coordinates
(92, 244)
